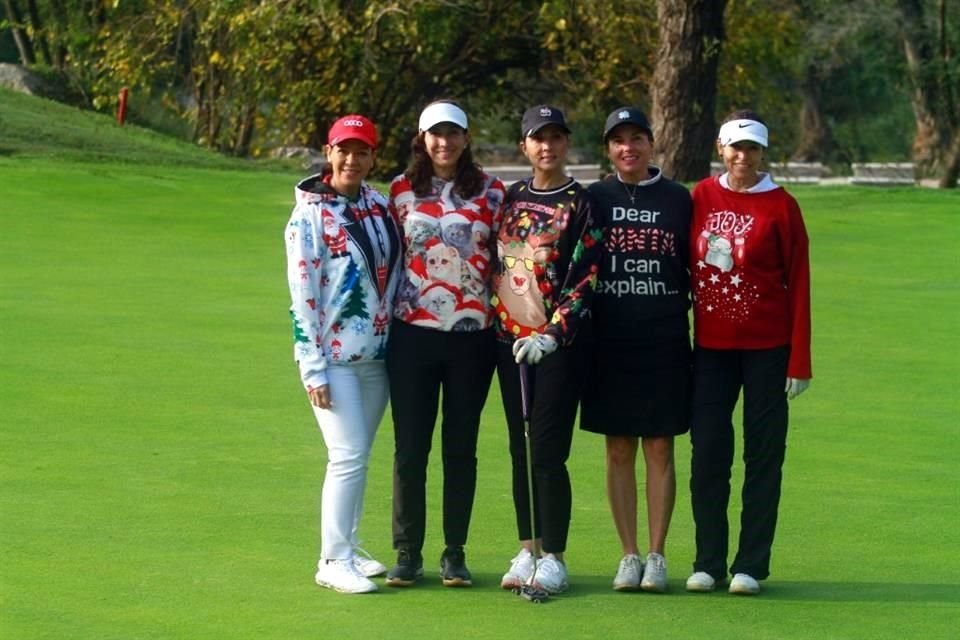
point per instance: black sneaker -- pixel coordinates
(453, 568)
(407, 571)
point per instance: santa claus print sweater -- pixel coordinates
(447, 240)
(750, 270)
(342, 266)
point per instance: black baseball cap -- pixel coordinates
(626, 115)
(536, 118)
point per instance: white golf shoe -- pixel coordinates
(521, 568)
(654, 574)
(366, 564)
(701, 582)
(744, 585)
(628, 573)
(342, 576)
(551, 574)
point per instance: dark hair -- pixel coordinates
(468, 181)
(744, 114)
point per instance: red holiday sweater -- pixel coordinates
(750, 271)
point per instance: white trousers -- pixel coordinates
(358, 395)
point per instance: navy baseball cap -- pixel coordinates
(626, 115)
(536, 118)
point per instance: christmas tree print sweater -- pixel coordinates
(750, 266)
(549, 250)
(342, 266)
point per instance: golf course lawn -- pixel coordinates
(160, 468)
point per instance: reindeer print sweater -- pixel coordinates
(548, 252)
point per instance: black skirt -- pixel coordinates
(638, 390)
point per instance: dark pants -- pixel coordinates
(555, 390)
(421, 362)
(718, 378)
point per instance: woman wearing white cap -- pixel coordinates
(343, 258)
(442, 336)
(751, 285)
(638, 393)
(549, 250)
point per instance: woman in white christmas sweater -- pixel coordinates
(343, 251)
(750, 275)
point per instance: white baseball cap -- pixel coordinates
(439, 112)
(740, 130)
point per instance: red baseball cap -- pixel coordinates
(353, 127)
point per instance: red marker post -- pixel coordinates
(122, 106)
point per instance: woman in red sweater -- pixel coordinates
(750, 275)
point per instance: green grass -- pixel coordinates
(37, 127)
(160, 468)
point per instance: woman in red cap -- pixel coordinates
(441, 338)
(343, 257)
(751, 285)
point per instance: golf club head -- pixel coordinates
(533, 593)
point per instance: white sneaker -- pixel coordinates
(744, 585)
(701, 582)
(654, 574)
(551, 575)
(342, 576)
(628, 574)
(521, 568)
(366, 564)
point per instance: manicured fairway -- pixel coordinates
(160, 468)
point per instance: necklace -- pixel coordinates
(632, 191)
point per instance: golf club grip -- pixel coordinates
(525, 389)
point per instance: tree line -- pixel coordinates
(838, 81)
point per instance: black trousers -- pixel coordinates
(420, 363)
(718, 377)
(555, 389)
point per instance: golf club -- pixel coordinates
(529, 591)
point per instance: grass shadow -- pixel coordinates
(796, 591)
(811, 591)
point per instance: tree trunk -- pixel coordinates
(59, 12)
(815, 137)
(931, 139)
(951, 172)
(246, 126)
(685, 85)
(20, 36)
(39, 35)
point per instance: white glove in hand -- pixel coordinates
(532, 348)
(796, 386)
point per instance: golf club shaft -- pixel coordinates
(525, 401)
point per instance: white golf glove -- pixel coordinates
(796, 386)
(532, 348)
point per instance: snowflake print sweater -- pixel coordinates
(549, 255)
(445, 283)
(342, 263)
(750, 272)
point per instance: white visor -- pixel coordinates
(442, 112)
(740, 130)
